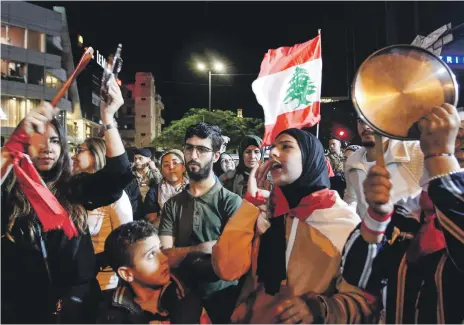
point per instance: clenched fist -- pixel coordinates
(38, 117)
(377, 188)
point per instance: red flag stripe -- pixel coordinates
(308, 116)
(280, 59)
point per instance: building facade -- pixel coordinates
(31, 61)
(36, 60)
(140, 120)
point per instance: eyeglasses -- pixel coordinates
(201, 150)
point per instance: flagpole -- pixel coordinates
(317, 127)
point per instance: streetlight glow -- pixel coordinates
(213, 68)
(218, 66)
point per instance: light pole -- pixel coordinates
(209, 92)
(219, 67)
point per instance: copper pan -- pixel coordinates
(398, 85)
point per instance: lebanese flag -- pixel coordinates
(289, 88)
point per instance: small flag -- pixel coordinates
(289, 88)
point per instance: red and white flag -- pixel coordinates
(289, 88)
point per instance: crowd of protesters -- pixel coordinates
(299, 237)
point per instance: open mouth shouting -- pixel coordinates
(276, 166)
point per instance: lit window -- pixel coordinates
(14, 71)
(35, 41)
(13, 35)
(15, 109)
(4, 37)
(52, 82)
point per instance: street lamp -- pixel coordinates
(219, 67)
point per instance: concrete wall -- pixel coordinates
(31, 56)
(30, 16)
(39, 19)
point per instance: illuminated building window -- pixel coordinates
(13, 35)
(16, 109)
(36, 41)
(14, 71)
(88, 131)
(52, 82)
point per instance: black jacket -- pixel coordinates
(179, 304)
(428, 290)
(133, 192)
(28, 295)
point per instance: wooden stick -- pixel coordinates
(380, 161)
(379, 155)
(84, 61)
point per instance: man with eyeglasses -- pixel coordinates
(192, 220)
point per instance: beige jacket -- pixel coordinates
(313, 257)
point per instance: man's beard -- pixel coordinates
(201, 174)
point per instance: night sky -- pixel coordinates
(165, 38)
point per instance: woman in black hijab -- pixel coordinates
(313, 177)
(295, 262)
(249, 153)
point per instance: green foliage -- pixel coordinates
(232, 126)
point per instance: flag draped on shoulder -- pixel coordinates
(289, 88)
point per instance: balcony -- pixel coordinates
(20, 89)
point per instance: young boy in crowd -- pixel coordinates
(147, 291)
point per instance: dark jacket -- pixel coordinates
(180, 305)
(428, 290)
(28, 296)
(133, 192)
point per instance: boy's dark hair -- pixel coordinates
(118, 244)
(205, 130)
